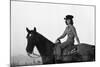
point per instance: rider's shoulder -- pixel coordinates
(73, 27)
(67, 27)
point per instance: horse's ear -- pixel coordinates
(35, 29)
(27, 30)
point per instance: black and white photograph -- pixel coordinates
(45, 33)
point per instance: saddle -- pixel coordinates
(67, 50)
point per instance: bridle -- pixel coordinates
(33, 53)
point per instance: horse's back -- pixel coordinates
(84, 49)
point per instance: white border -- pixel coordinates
(5, 32)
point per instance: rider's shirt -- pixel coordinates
(70, 34)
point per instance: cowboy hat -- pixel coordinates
(68, 17)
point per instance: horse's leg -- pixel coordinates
(48, 60)
(45, 60)
(58, 52)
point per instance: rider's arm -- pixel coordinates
(63, 35)
(75, 33)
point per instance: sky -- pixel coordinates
(49, 21)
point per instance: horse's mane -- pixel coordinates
(43, 37)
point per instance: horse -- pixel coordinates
(44, 46)
(47, 49)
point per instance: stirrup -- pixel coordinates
(73, 50)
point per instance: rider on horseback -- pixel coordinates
(71, 32)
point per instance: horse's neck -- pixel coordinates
(44, 45)
(42, 38)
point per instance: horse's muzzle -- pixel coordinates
(33, 55)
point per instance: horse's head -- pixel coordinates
(31, 41)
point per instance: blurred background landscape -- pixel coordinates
(25, 60)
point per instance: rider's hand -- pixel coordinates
(78, 43)
(57, 41)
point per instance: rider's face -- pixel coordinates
(68, 21)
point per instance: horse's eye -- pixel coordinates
(30, 35)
